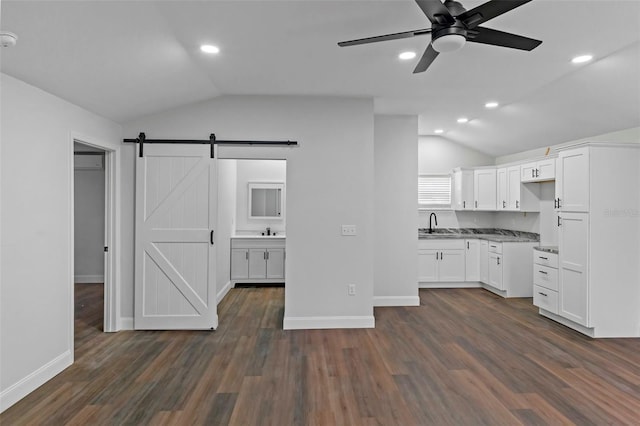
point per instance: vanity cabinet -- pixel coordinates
(257, 260)
(441, 261)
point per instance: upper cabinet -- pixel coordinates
(539, 171)
(513, 195)
(484, 189)
(462, 189)
(572, 181)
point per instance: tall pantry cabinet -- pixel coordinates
(598, 218)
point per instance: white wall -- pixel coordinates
(89, 226)
(631, 135)
(227, 174)
(36, 259)
(329, 183)
(395, 214)
(272, 171)
(438, 155)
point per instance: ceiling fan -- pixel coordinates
(452, 25)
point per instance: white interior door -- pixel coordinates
(175, 258)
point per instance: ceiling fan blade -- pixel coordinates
(436, 11)
(394, 36)
(489, 10)
(500, 38)
(427, 57)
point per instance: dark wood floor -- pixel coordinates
(464, 357)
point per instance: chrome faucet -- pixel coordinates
(432, 215)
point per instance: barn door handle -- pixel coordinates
(211, 237)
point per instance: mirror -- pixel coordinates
(265, 200)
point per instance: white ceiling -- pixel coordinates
(124, 59)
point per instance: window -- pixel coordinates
(434, 191)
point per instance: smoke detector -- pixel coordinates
(8, 39)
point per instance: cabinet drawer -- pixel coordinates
(495, 247)
(545, 299)
(544, 258)
(545, 276)
(435, 244)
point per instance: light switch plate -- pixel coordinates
(348, 230)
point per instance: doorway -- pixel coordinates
(93, 178)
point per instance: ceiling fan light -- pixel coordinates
(448, 43)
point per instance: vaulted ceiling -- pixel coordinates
(124, 59)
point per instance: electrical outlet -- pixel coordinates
(352, 290)
(348, 230)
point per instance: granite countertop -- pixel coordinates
(490, 234)
(547, 249)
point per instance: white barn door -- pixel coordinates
(175, 258)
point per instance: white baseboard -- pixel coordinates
(396, 300)
(471, 284)
(309, 323)
(126, 323)
(88, 279)
(223, 292)
(22, 388)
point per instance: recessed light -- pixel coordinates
(582, 59)
(438, 131)
(463, 120)
(491, 105)
(407, 55)
(209, 48)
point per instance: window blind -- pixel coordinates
(434, 191)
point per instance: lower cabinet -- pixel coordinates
(472, 260)
(495, 271)
(509, 268)
(257, 260)
(441, 261)
(484, 261)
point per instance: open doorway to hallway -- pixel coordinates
(90, 236)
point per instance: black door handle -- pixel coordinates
(211, 237)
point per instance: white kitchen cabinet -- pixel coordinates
(598, 249)
(539, 171)
(462, 189)
(257, 260)
(572, 180)
(441, 261)
(513, 195)
(484, 261)
(509, 268)
(484, 189)
(545, 280)
(472, 260)
(573, 243)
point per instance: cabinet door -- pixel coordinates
(472, 260)
(573, 243)
(484, 184)
(239, 264)
(502, 190)
(462, 197)
(428, 265)
(546, 169)
(484, 262)
(495, 271)
(275, 263)
(513, 188)
(572, 180)
(528, 172)
(451, 266)
(257, 263)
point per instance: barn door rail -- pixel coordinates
(141, 140)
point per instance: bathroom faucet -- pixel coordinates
(432, 215)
